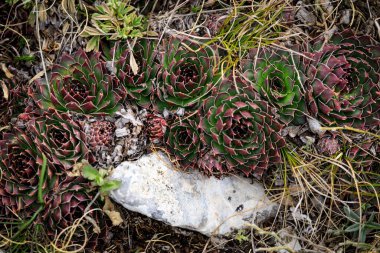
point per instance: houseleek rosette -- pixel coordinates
(183, 141)
(240, 129)
(80, 83)
(60, 138)
(70, 202)
(343, 80)
(136, 69)
(21, 166)
(100, 134)
(189, 71)
(277, 76)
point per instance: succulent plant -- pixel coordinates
(211, 164)
(60, 138)
(8, 203)
(183, 141)
(364, 154)
(100, 134)
(189, 71)
(276, 75)
(240, 130)
(137, 71)
(156, 127)
(21, 169)
(68, 203)
(80, 84)
(343, 86)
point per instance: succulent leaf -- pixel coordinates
(156, 127)
(67, 204)
(364, 154)
(11, 99)
(100, 134)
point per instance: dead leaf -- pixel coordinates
(65, 28)
(5, 90)
(77, 168)
(133, 63)
(45, 46)
(91, 31)
(37, 76)
(151, 33)
(93, 44)
(4, 128)
(109, 209)
(327, 6)
(209, 3)
(6, 71)
(69, 6)
(42, 15)
(115, 217)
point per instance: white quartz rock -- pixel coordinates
(153, 187)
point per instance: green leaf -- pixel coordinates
(110, 185)
(99, 181)
(90, 173)
(42, 179)
(241, 237)
(363, 235)
(351, 214)
(352, 228)
(372, 225)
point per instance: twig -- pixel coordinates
(40, 46)
(350, 129)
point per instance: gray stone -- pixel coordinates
(153, 187)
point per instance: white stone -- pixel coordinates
(315, 126)
(153, 187)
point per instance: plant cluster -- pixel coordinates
(115, 20)
(215, 121)
(239, 121)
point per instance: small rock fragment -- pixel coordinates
(308, 140)
(292, 131)
(346, 17)
(328, 146)
(286, 235)
(315, 126)
(180, 112)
